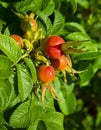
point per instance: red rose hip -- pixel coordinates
(61, 62)
(46, 73)
(52, 46)
(18, 39)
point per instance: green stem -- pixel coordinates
(22, 57)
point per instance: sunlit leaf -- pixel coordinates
(74, 5)
(86, 55)
(48, 10)
(97, 64)
(41, 125)
(53, 120)
(78, 36)
(74, 27)
(86, 76)
(49, 120)
(57, 4)
(10, 48)
(4, 4)
(67, 102)
(5, 93)
(25, 115)
(14, 98)
(2, 127)
(85, 42)
(83, 3)
(5, 65)
(33, 126)
(28, 5)
(58, 23)
(25, 81)
(47, 24)
(32, 68)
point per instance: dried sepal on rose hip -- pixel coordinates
(52, 46)
(69, 68)
(64, 64)
(46, 74)
(18, 39)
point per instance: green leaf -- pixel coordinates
(74, 27)
(85, 42)
(25, 81)
(5, 65)
(38, 126)
(44, 4)
(48, 10)
(41, 125)
(32, 68)
(7, 31)
(4, 4)
(78, 36)
(26, 114)
(86, 76)
(48, 105)
(48, 101)
(33, 126)
(97, 64)
(57, 4)
(5, 92)
(46, 22)
(10, 48)
(14, 98)
(53, 120)
(74, 5)
(86, 55)
(67, 102)
(29, 114)
(49, 120)
(2, 127)
(28, 5)
(58, 22)
(83, 3)
(1, 118)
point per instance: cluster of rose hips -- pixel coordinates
(52, 57)
(53, 49)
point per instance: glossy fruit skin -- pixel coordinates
(18, 39)
(60, 63)
(46, 73)
(52, 46)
